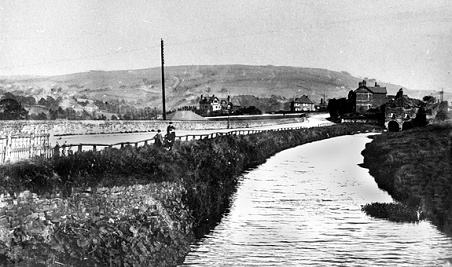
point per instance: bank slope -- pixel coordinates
(131, 206)
(415, 168)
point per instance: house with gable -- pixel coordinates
(212, 104)
(302, 103)
(209, 104)
(369, 97)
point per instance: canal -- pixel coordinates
(303, 208)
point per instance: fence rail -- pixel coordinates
(70, 148)
(22, 147)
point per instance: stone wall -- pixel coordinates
(27, 217)
(67, 127)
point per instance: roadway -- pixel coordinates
(312, 120)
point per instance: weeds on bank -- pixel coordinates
(416, 164)
(207, 171)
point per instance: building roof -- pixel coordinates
(378, 90)
(208, 100)
(304, 100)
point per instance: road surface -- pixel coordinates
(311, 121)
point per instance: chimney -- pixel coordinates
(360, 84)
(376, 84)
(364, 82)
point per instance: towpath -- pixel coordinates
(106, 139)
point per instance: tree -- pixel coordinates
(41, 116)
(399, 94)
(332, 108)
(71, 114)
(338, 107)
(351, 102)
(421, 118)
(429, 99)
(442, 115)
(10, 109)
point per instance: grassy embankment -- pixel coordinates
(414, 166)
(204, 172)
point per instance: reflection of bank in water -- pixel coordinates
(302, 207)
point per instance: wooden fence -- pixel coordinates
(21, 147)
(71, 148)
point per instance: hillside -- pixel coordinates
(185, 84)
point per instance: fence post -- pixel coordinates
(94, 147)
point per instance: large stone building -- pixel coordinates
(369, 97)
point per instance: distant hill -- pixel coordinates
(268, 87)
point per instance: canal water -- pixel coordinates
(303, 208)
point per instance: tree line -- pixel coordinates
(13, 107)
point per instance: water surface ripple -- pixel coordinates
(303, 208)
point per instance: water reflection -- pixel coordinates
(303, 208)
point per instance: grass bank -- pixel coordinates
(198, 177)
(414, 167)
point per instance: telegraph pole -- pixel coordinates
(163, 80)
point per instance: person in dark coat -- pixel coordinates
(56, 150)
(158, 139)
(170, 127)
(170, 137)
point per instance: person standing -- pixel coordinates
(56, 150)
(170, 137)
(170, 127)
(158, 139)
(63, 149)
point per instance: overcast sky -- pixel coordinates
(407, 42)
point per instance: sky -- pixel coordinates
(406, 42)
